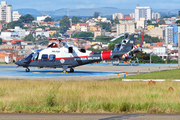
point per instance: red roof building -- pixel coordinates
(126, 18)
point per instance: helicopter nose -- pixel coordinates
(17, 62)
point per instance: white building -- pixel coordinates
(132, 15)
(178, 29)
(161, 52)
(156, 16)
(43, 17)
(42, 34)
(143, 12)
(21, 32)
(9, 35)
(5, 12)
(141, 23)
(122, 28)
(16, 15)
(169, 35)
(118, 15)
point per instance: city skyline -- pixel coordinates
(123, 4)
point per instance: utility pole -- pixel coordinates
(179, 46)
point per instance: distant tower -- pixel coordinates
(143, 12)
(5, 12)
(68, 11)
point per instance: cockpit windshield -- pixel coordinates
(53, 45)
(117, 47)
(28, 58)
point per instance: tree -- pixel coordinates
(48, 19)
(0, 41)
(83, 34)
(116, 20)
(12, 24)
(161, 22)
(64, 24)
(106, 26)
(149, 22)
(29, 38)
(27, 18)
(111, 46)
(96, 14)
(75, 20)
(178, 21)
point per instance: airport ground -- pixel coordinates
(91, 70)
(131, 70)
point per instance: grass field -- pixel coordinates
(167, 75)
(88, 97)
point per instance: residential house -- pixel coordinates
(150, 27)
(173, 54)
(97, 33)
(80, 27)
(52, 32)
(117, 15)
(43, 17)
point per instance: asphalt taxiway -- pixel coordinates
(86, 72)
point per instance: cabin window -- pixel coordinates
(52, 58)
(82, 50)
(70, 50)
(44, 57)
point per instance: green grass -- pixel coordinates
(167, 75)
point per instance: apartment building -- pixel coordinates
(156, 32)
(16, 15)
(175, 33)
(126, 20)
(169, 35)
(118, 15)
(5, 12)
(156, 16)
(122, 28)
(143, 12)
(142, 23)
(132, 15)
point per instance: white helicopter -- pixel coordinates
(65, 55)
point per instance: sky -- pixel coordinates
(51, 5)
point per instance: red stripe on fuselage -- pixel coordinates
(106, 55)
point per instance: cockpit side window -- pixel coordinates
(35, 56)
(28, 58)
(70, 49)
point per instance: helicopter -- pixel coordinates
(65, 55)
